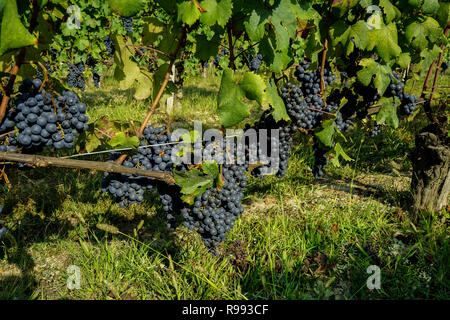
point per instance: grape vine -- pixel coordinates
(328, 67)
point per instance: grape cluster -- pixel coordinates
(334, 100)
(127, 189)
(48, 67)
(153, 154)
(408, 105)
(320, 160)
(9, 144)
(395, 88)
(215, 211)
(255, 63)
(376, 130)
(304, 104)
(372, 253)
(303, 114)
(75, 78)
(283, 144)
(341, 124)
(139, 53)
(91, 63)
(222, 52)
(109, 44)
(41, 121)
(171, 202)
(369, 94)
(2, 230)
(39, 73)
(127, 24)
(311, 80)
(444, 67)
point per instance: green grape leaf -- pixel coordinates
(350, 36)
(415, 3)
(126, 70)
(365, 3)
(253, 87)
(13, 34)
(170, 6)
(81, 43)
(285, 23)
(168, 43)
(419, 34)
(231, 109)
(46, 33)
(339, 152)
(192, 136)
(403, 60)
(196, 181)
(88, 139)
(390, 10)
(2, 5)
(443, 15)
(277, 60)
(430, 6)
(92, 142)
(144, 85)
(153, 29)
(388, 113)
(428, 56)
(313, 46)
(126, 8)
(385, 42)
(121, 141)
(326, 132)
(216, 12)
(255, 26)
(277, 103)
(188, 12)
(304, 11)
(373, 70)
(158, 78)
(41, 3)
(204, 48)
(210, 168)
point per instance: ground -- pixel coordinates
(299, 238)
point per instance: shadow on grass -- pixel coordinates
(402, 199)
(190, 91)
(102, 97)
(36, 211)
(18, 287)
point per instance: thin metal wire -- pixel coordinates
(119, 150)
(128, 149)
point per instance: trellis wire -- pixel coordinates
(128, 149)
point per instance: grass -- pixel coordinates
(299, 238)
